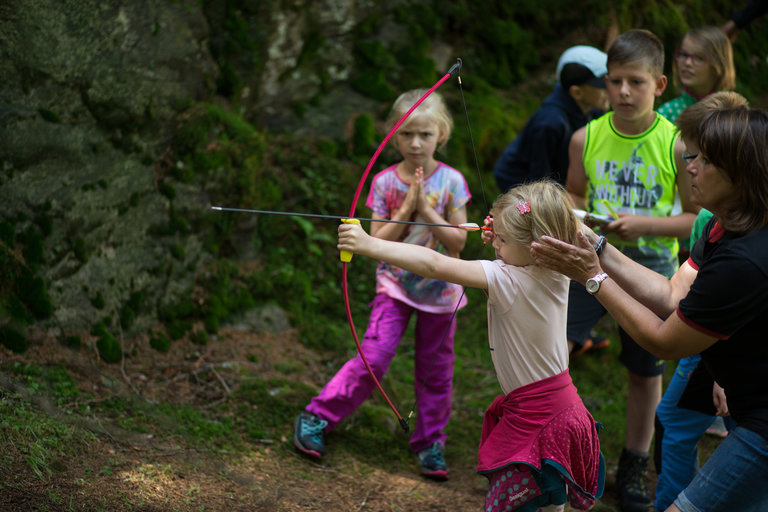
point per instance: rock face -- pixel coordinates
(91, 91)
(91, 95)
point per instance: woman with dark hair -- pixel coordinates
(716, 304)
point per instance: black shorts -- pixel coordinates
(584, 311)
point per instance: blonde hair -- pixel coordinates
(433, 106)
(717, 49)
(550, 213)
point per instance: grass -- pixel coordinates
(47, 421)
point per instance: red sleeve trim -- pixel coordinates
(690, 323)
(693, 264)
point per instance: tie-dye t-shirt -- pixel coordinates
(447, 191)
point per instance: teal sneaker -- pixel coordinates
(308, 435)
(433, 462)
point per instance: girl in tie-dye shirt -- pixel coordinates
(419, 188)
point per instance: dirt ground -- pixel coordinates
(121, 470)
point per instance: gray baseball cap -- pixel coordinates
(590, 70)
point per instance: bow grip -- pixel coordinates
(346, 256)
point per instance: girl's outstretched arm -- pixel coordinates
(413, 258)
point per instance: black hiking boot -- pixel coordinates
(632, 482)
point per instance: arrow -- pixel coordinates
(469, 226)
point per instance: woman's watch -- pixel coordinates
(593, 283)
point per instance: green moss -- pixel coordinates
(178, 224)
(7, 233)
(300, 109)
(78, 248)
(363, 139)
(160, 342)
(229, 84)
(176, 329)
(13, 339)
(167, 190)
(17, 311)
(45, 223)
(32, 291)
(98, 301)
(373, 84)
(199, 336)
(109, 348)
(33, 247)
(127, 316)
(49, 116)
(211, 323)
(73, 342)
(177, 251)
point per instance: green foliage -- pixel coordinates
(160, 342)
(51, 117)
(236, 41)
(749, 54)
(107, 345)
(40, 440)
(373, 83)
(13, 339)
(98, 301)
(50, 382)
(32, 292)
(127, 316)
(78, 248)
(73, 342)
(283, 398)
(7, 233)
(33, 247)
(24, 295)
(199, 336)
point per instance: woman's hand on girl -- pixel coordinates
(579, 263)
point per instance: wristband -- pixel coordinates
(600, 245)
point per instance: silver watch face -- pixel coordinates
(593, 285)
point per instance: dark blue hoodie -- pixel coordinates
(541, 148)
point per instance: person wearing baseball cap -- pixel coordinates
(540, 150)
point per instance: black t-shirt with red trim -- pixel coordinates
(729, 300)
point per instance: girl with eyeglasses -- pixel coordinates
(702, 65)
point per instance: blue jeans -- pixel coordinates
(678, 432)
(733, 478)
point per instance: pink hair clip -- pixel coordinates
(524, 208)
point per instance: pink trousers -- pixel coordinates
(433, 368)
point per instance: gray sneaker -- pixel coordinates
(308, 435)
(433, 462)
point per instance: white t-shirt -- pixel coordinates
(527, 314)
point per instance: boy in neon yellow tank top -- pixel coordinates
(630, 158)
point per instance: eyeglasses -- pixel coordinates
(689, 158)
(697, 60)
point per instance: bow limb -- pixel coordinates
(345, 289)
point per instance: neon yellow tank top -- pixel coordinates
(635, 174)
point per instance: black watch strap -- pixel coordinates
(600, 245)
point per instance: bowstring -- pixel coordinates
(463, 290)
